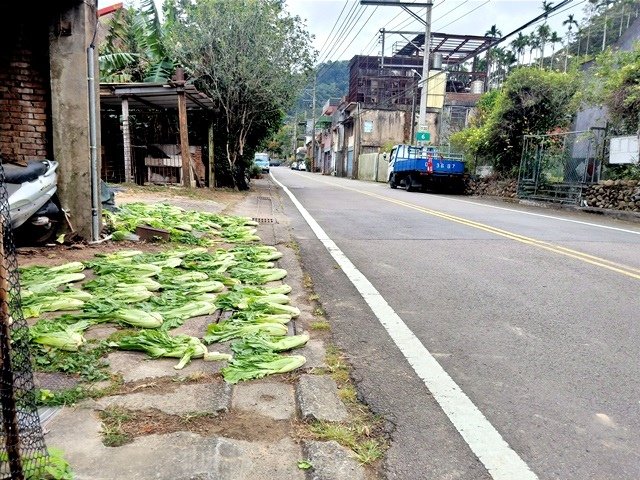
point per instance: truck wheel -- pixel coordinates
(409, 184)
(392, 181)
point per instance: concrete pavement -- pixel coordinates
(192, 425)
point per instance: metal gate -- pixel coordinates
(558, 167)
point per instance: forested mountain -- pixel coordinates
(333, 82)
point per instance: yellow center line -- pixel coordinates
(568, 252)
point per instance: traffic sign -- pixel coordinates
(423, 136)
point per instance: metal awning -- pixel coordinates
(455, 49)
(145, 96)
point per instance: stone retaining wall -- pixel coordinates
(609, 194)
(491, 187)
(615, 194)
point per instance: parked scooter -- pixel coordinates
(33, 203)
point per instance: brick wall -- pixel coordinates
(24, 95)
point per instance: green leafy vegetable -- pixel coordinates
(58, 335)
(219, 332)
(263, 343)
(258, 276)
(40, 285)
(160, 344)
(252, 366)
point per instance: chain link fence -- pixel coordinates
(557, 167)
(22, 447)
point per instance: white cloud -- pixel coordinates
(360, 35)
(470, 17)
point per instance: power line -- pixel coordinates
(462, 16)
(341, 31)
(358, 32)
(323, 68)
(346, 2)
(452, 10)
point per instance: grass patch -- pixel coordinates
(113, 434)
(356, 435)
(336, 365)
(121, 333)
(348, 394)
(71, 396)
(314, 297)
(293, 246)
(363, 433)
(318, 312)
(307, 282)
(88, 362)
(320, 325)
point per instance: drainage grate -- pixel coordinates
(264, 220)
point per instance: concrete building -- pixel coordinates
(46, 110)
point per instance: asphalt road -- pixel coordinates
(534, 313)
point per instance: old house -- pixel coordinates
(380, 109)
(48, 91)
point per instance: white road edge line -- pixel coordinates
(618, 229)
(500, 460)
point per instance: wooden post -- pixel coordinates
(184, 132)
(212, 170)
(9, 411)
(126, 140)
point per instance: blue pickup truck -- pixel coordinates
(422, 168)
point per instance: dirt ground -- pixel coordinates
(239, 425)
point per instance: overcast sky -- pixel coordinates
(360, 33)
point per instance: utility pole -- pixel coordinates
(313, 124)
(382, 51)
(422, 122)
(294, 140)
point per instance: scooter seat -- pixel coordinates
(18, 174)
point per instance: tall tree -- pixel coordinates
(554, 38)
(494, 33)
(519, 46)
(604, 5)
(546, 9)
(250, 56)
(534, 44)
(543, 33)
(569, 23)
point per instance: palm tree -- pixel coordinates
(569, 23)
(543, 35)
(546, 8)
(519, 46)
(534, 44)
(553, 39)
(494, 33)
(134, 49)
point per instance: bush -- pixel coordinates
(532, 101)
(255, 171)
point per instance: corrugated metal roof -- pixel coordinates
(145, 96)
